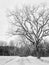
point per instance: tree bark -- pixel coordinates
(37, 50)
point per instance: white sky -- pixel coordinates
(10, 4)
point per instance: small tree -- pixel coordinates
(30, 22)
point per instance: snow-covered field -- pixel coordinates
(16, 60)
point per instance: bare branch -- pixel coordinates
(37, 23)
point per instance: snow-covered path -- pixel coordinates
(16, 60)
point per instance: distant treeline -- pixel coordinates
(13, 51)
(22, 50)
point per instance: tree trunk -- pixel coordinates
(37, 50)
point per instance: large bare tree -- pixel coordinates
(32, 22)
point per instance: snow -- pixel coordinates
(16, 60)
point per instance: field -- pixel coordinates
(16, 60)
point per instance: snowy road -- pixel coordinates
(16, 60)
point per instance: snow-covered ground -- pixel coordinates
(16, 60)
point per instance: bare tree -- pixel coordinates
(30, 22)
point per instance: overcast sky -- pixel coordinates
(11, 4)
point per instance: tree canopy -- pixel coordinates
(32, 22)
